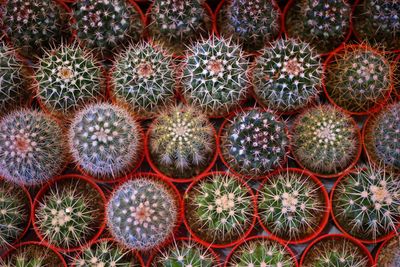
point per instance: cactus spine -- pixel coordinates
(389, 255)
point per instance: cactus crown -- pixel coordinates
(389, 255)
(215, 76)
(287, 75)
(143, 79)
(31, 147)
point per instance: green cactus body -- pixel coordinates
(287, 75)
(219, 208)
(254, 142)
(358, 79)
(251, 23)
(389, 255)
(143, 79)
(215, 76)
(105, 141)
(325, 140)
(366, 203)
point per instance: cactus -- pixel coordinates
(69, 213)
(143, 79)
(358, 79)
(143, 213)
(32, 149)
(389, 255)
(254, 142)
(215, 76)
(105, 141)
(325, 140)
(181, 142)
(68, 77)
(287, 75)
(251, 23)
(176, 23)
(105, 25)
(219, 208)
(366, 203)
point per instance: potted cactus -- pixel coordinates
(388, 254)
(326, 141)
(250, 23)
(144, 212)
(219, 209)
(253, 142)
(287, 75)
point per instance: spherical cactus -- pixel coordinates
(325, 140)
(143, 213)
(181, 142)
(287, 75)
(219, 209)
(358, 79)
(254, 142)
(389, 254)
(365, 203)
(32, 149)
(215, 76)
(68, 77)
(105, 141)
(251, 23)
(143, 79)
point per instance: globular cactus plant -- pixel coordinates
(358, 79)
(215, 76)
(32, 148)
(251, 23)
(389, 255)
(68, 77)
(219, 208)
(287, 75)
(325, 140)
(143, 79)
(254, 142)
(105, 141)
(366, 202)
(142, 213)
(181, 142)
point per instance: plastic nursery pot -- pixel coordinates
(381, 251)
(197, 237)
(323, 193)
(229, 257)
(45, 189)
(336, 236)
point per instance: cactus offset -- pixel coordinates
(389, 255)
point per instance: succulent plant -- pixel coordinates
(358, 78)
(68, 77)
(287, 75)
(254, 142)
(219, 208)
(181, 142)
(143, 213)
(143, 79)
(251, 23)
(32, 149)
(105, 141)
(105, 25)
(325, 140)
(366, 203)
(389, 255)
(176, 23)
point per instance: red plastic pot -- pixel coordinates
(380, 248)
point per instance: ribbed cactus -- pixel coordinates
(325, 140)
(254, 142)
(215, 76)
(143, 213)
(68, 77)
(389, 255)
(219, 208)
(251, 23)
(366, 203)
(181, 142)
(32, 149)
(105, 25)
(287, 75)
(105, 141)
(143, 79)
(358, 78)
